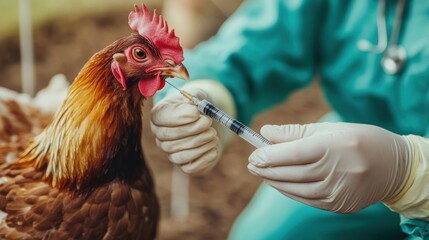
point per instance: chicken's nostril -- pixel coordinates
(170, 62)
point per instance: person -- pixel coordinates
(368, 158)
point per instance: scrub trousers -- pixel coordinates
(271, 215)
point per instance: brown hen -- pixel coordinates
(84, 176)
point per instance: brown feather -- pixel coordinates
(84, 176)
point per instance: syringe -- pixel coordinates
(224, 119)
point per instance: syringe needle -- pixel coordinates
(183, 92)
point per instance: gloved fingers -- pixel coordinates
(299, 152)
(190, 142)
(202, 164)
(290, 132)
(178, 132)
(190, 155)
(174, 114)
(286, 133)
(302, 191)
(296, 173)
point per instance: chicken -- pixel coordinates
(50, 98)
(22, 116)
(84, 176)
(17, 115)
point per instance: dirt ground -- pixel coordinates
(216, 199)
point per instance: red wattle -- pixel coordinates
(161, 86)
(149, 86)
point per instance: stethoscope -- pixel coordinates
(394, 55)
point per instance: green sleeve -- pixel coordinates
(415, 228)
(262, 53)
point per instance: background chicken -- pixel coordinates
(22, 116)
(84, 176)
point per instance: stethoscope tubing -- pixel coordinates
(394, 55)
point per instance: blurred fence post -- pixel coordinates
(179, 209)
(26, 46)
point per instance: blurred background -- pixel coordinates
(67, 33)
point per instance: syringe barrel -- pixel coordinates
(254, 138)
(234, 125)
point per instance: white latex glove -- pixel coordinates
(191, 140)
(339, 167)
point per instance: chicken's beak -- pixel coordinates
(178, 71)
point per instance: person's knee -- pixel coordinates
(271, 215)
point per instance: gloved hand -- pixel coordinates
(339, 167)
(191, 140)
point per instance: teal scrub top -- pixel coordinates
(270, 48)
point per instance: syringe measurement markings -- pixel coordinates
(255, 134)
(234, 125)
(227, 122)
(212, 111)
(230, 123)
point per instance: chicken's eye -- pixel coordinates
(139, 54)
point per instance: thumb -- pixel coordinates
(286, 133)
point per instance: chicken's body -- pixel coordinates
(84, 176)
(104, 191)
(114, 210)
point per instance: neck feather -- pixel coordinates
(95, 136)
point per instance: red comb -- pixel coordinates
(156, 29)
